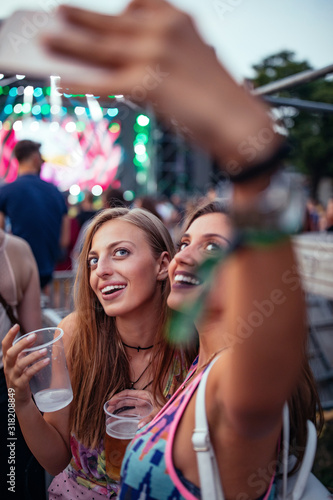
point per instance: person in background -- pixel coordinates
(113, 197)
(329, 216)
(36, 210)
(148, 203)
(20, 301)
(87, 209)
(114, 340)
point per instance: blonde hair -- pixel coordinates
(100, 366)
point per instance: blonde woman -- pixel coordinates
(114, 340)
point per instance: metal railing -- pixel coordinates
(57, 302)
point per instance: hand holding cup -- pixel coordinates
(123, 414)
(38, 358)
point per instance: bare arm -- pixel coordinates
(27, 281)
(48, 436)
(164, 57)
(2, 220)
(265, 325)
(65, 234)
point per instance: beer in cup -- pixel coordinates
(123, 413)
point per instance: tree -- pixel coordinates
(311, 134)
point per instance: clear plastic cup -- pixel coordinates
(51, 386)
(123, 413)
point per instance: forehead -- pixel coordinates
(118, 230)
(215, 223)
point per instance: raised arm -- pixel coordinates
(156, 55)
(265, 324)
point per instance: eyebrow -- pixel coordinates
(112, 245)
(208, 235)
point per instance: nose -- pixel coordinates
(103, 268)
(189, 256)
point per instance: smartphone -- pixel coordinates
(22, 51)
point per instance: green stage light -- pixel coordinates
(141, 138)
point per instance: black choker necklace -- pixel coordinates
(138, 348)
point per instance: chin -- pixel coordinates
(177, 301)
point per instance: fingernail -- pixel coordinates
(30, 337)
(140, 425)
(43, 351)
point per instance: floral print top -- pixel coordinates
(87, 466)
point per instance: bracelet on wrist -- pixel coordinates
(280, 208)
(267, 166)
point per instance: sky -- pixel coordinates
(243, 32)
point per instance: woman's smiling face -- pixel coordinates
(123, 270)
(206, 236)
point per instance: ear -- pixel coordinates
(163, 262)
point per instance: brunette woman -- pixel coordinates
(244, 386)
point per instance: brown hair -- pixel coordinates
(212, 207)
(99, 362)
(304, 404)
(25, 148)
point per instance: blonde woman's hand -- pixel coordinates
(145, 395)
(20, 368)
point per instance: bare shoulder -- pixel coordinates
(19, 246)
(22, 261)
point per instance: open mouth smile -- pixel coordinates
(186, 280)
(110, 289)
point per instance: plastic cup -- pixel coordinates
(122, 417)
(51, 386)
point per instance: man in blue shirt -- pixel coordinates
(36, 210)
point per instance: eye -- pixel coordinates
(92, 261)
(212, 247)
(181, 246)
(121, 252)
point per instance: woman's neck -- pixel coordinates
(211, 339)
(137, 333)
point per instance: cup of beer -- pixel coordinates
(123, 413)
